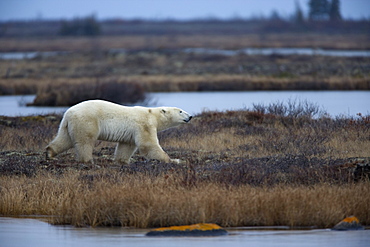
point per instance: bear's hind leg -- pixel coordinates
(123, 152)
(62, 142)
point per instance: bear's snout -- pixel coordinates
(187, 120)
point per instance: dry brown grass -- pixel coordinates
(27, 133)
(253, 134)
(238, 133)
(328, 41)
(243, 168)
(188, 83)
(105, 198)
(176, 71)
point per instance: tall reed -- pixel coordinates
(107, 198)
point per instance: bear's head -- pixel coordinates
(172, 116)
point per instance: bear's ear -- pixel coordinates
(163, 111)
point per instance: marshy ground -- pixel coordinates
(158, 71)
(160, 63)
(272, 165)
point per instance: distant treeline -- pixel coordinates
(91, 27)
(323, 16)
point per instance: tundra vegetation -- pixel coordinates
(66, 79)
(153, 56)
(144, 56)
(280, 164)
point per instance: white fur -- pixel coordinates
(132, 127)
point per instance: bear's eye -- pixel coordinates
(180, 111)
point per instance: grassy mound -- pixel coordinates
(258, 167)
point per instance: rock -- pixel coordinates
(361, 172)
(6, 122)
(349, 223)
(196, 230)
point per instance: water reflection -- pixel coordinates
(30, 232)
(248, 51)
(281, 51)
(28, 55)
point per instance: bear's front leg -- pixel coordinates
(154, 152)
(177, 161)
(149, 147)
(157, 153)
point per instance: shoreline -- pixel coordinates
(44, 218)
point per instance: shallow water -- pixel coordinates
(282, 51)
(28, 55)
(16, 232)
(285, 51)
(16, 106)
(335, 103)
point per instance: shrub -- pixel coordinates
(70, 94)
(80, 27)
(292, 108)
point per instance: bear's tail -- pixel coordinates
(62, 142)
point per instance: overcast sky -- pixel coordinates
(162, 9)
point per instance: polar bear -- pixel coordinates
(131, 127)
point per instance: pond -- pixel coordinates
(335, 103)
(28, 55)
(284, 51)
(16, 232)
